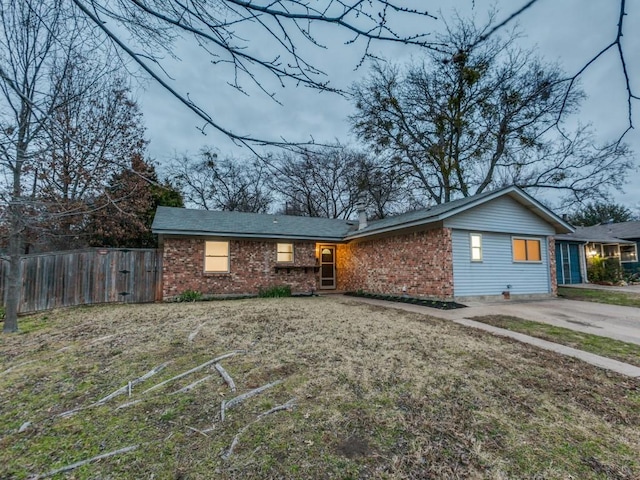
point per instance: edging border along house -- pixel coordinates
(486, 245)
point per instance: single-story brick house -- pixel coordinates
(617, 241)
(483, 245)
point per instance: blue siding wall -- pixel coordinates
(497, 221)
(501, 215)
(497, 269)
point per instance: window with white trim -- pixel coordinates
(526, 249)
(475, 241)
(285, 253)
(628, 253)
(216, 257)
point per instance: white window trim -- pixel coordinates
(616, 250)
(228, 257)
(471, 247)
(513, 253)
(293, 252)
(635, 248)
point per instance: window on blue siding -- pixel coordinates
(476, 247)
(527, 250)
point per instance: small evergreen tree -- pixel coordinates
(597, 213)
(124, 213)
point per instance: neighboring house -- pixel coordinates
(483, 245)
(574, 251)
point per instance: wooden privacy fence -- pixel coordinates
(85, 277)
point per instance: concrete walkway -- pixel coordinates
(458, 315)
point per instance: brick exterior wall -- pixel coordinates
(252, 267)
(552, 266)
(421, 261)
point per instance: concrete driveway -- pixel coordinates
(620, 323)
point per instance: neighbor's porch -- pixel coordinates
(623, 252)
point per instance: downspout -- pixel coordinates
(583, 262)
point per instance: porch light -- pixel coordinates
(592, 253)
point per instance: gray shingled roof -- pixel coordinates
(607, 233)
(182, 221)
(585, 238)
(423, 215)
(445, 210)
(626, 230)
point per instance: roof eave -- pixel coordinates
(379, 231)
(595, 239)
(275, 236)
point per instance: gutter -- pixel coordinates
(263, 236)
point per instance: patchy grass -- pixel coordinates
(275, 291)
(606, 347)
(380, 393)
(600, 296)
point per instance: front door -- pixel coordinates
(574, 256)
(327, 267)
(568, 263)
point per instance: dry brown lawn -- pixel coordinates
(379, 393)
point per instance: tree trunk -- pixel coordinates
(13, 295)
(14, 278)
(16, 231)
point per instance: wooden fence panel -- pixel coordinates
(86, 277)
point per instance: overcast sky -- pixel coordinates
(569, 32)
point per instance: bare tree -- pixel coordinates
(91, 135)
(615, 44)
(383, 189)
(232, 32)
(317, 183)
(211, 183)
(257, 39)
(483, 114)
(93, 130)
(28, 48)
(330, 181)
(43, 81)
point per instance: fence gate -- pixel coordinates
(86, 277)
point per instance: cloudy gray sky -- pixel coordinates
(569, 32)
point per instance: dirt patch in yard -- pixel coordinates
(379, 393)
(353, 447)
